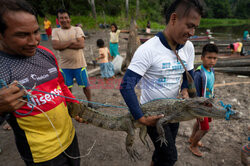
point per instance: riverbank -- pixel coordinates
(222, 143)
(90, 23)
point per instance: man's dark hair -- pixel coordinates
(100, 43)
(209, 48)
(14, 6)
(61, 11)
(183, 7)
(114, 24)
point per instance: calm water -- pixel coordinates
(230, 32)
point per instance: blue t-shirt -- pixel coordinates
(210, 82)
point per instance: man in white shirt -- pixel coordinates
(156, 66)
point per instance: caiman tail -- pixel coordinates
(98, 118)
(112, 122)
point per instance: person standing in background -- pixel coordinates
(69, 41)
(47, 26)
(148, 27)
(114, 40)
(107, 68)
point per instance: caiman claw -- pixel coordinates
(134, 155)
(162, 139)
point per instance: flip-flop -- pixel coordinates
(200, 144)
(195, 153)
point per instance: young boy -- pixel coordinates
(204, 82)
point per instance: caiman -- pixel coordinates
(174, 110)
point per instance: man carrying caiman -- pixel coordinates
(160, 72)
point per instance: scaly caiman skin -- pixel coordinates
(112, 122)
(174, 110)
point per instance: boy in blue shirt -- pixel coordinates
(204, 82)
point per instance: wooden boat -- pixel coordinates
(234, 64)
(193, 38)
(235, 70)
(199, 38)
(230, 61)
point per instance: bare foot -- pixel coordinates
(195, 151)
(6, 127)
(200, 144)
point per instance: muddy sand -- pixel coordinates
(222, 144)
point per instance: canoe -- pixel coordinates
(230, 61)
(234, 70)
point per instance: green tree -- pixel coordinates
(243, 9)
(218, 9)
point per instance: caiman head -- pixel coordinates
(204, 107)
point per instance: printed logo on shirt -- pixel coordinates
(171, 74)
(166, 65)
(38, 78)
(43, 99)
(178, 65)
(23, 81)
(52, 70)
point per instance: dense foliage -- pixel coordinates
(149, 9)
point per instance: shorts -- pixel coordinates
(204, 125)
(80, 75)
(48, 31)
(114, 49)
(62, 159)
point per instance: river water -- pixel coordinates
(225, 32)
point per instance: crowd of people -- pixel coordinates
(53, 141)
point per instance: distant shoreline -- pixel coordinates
(89, 22)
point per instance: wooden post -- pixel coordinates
(133, 43)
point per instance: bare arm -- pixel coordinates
(124, 31)
(9, 99)
(61, 45)
(78, 44)
(109, 56)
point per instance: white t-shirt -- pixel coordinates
(161, 72)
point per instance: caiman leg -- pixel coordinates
(160, 130)
(130, 141)
(143, 134)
